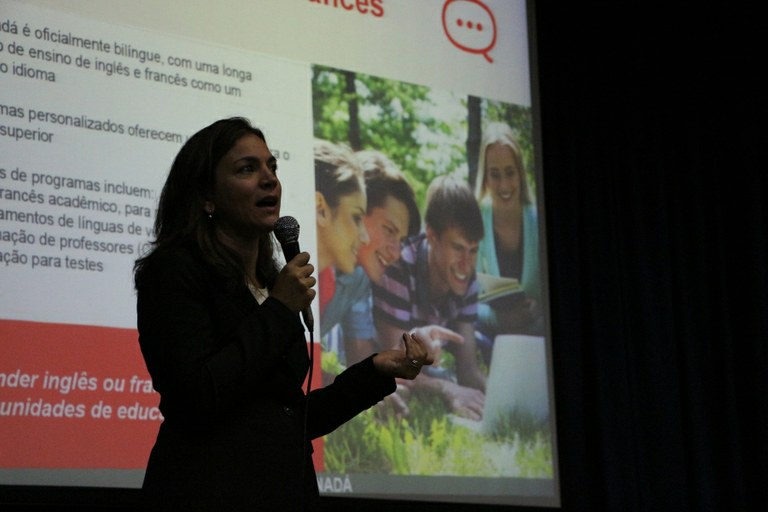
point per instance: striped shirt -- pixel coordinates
(403, 299)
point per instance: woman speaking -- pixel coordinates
(221, 337)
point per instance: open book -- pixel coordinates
(493, 287)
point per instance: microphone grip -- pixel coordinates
(290, 250)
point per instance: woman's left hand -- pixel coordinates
(404, 364)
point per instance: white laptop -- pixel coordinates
(517, 380)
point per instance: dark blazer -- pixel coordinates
(229, 373)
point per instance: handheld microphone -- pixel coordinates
(287, 233)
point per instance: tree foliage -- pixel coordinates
(426, 132)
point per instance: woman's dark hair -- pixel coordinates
(181, 219)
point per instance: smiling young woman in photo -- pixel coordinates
(340, 205)
(510, 247)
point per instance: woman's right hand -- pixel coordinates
(404, 364)
(294, 284)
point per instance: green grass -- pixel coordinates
(428, 442)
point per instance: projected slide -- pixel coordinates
(95, 104)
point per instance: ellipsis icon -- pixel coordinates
(470, 26)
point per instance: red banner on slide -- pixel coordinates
(66, 399)
(75, 396)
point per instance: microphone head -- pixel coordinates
(287, 230)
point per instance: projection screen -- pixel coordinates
(96, 98)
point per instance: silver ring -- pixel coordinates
(415, 363)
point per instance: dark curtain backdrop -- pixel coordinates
(652, 125)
